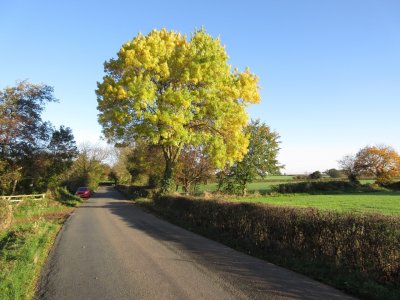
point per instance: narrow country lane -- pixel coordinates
(111, 249)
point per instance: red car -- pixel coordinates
(83, 192)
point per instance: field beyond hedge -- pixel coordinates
(380, 202)
(364, 199)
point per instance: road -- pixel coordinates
(111, 249)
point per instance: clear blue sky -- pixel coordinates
(329, 70)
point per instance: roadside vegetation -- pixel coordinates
(27, 239)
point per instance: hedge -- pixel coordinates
(362, 246)
(135, 191)
(310, 187)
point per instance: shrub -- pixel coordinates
(317, 187)
(5, 214)
(135, 191)
(362, 246)
(393, 186)
(62, 195)
(333, 173)
(300, 177)
(315, 175)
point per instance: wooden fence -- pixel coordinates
(20, 198)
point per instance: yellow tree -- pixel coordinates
(176, 91)
(383, 162)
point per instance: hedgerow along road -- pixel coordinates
(111, 249)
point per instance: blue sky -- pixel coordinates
(329, 70)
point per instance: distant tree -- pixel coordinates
(24, 136)
(88, 168)
(62, 150)
(177, 92)
(333, 173)
(113, 176)
(348, 166)
(383, 162)
(193, 167)
(120, 168)
(146, 163)
(315, 175)
(260, 160)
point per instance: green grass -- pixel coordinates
(384, 202)
(381, 202)
(25, 245)
(264, 185)
(261, 187)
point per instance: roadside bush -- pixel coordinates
(135, 191)
(5, 214)
(333, 173)
(62, 194)
(393, 186)
(317, 187)
(315, 175)
(364, 247)
(300, 177)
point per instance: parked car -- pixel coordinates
(83, 192)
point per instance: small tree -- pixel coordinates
(62, 150)
(88, 169)
(260, 160)
(315, 175)
(120, 169)
(383, 162)
(193, 168)
(333, 173)
(347, 164)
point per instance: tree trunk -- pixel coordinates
(187, 188)
(244, 188)
(14, 187)
(166, 184)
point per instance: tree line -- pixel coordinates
(34, 155)
(176, 112)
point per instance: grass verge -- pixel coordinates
(24, 246)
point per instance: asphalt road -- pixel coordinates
(110, 249)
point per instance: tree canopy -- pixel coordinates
(260, 160)
(382, 162)
(32, 152)
(176, 91)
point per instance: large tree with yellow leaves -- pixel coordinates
(176, 91)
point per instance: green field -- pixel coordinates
(264, 185)
(383, 202)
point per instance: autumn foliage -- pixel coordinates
(175, 92)
(382, 162)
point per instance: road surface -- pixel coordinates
(111, 249)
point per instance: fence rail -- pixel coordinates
(20, 198)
